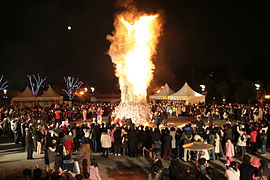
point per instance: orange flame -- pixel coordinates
(133, 46)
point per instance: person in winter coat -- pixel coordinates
(242, 140)
(247, 171)
(172, 134)
(178, 142)
(133, 142)
(263, 142)
(51, 154)
(68, 142)
(95, 137)
(211, 140)
(156, 170)
(204, 172)
(29, 144)
(265, 171)
(167, 145)
(87, 134)
(229, 151)
(218, 146)
(255, 162)
(175, 169)
(39, 139)
(60, 154)
(84, 114)
(232, 173)
(84, 155)
(253, 141)
(117, 141)
(93, 169)
(228, 133)
(106, 143)
(185, 139)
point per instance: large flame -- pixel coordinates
(133, 45)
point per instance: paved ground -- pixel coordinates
(13, 161)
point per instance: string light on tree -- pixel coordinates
(3, 84)
(35, 82)
(72, 86)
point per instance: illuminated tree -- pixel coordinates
(35, 82)
(72, 85)
(3, 85)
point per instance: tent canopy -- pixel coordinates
(163, 93)
(50, 93)
(26, 98)
(186, 93)
(26, 93)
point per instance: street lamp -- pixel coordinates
(203, 87)
(5, 94)
(92, 89)
(257, 86)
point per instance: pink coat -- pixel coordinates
(231, 174)
(229, 150)
(94, 173)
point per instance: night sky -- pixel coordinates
(206, 34)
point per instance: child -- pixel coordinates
(229, 148)
(94, 172)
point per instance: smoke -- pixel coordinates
(124, 4)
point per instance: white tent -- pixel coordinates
(163, 94)
(188, 95)
(26, 98)
(50, 93)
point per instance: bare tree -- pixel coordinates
(35, 82)
(3, 84)
(72, 85)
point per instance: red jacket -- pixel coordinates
(69, 145)
(253, 136)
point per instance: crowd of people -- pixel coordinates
(68, 146)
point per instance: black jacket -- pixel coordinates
(167, 141)
(264, 168)
(263, 139)
(133, 139)
(247, 171)
(117, 136)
